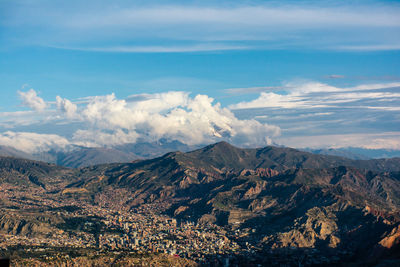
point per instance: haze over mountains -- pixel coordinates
(357, 152)
(342, 209)
(79, 156)
(86, 156)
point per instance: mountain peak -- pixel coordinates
(221, 145)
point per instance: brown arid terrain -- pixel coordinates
(118, 261)
(219, 205)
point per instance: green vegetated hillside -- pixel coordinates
(288, 198)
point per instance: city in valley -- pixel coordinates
(143, 235)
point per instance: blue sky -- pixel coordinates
(297, 73)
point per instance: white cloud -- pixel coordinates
(17, 118)
(271, 100)
(204, 47)
(249, 90)
(32, 100)
(374, 86)
(107, 120)
(372, 47)
(319, 115)
(385, 108)
(33, 142)
(386, 140)
(318, 95)
(108, 112)
(172, 115)
(244, 16)
(356, 96)
(96, 138)
(206, 27)
(66, 106)
(335, 76)
(159, 102)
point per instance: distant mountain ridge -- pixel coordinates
(7, 151)
(89, 156)
(357, 152)
(224, 154)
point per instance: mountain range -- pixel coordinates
(79, 156)
(357, 152)
(344, 208)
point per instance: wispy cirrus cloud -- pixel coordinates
(207, 47)
(335, 76)
(386, 140)
(298, 16)
(128, 27)
(320, 115)
(251, 90)
(317, 95)
(369, 47)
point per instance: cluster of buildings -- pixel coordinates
(105, 229)
(160, 234)
(97, 229)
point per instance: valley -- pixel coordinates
(217, 205)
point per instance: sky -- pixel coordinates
(315, 74)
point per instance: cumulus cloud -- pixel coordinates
(33, 142)
(66, 106)
(32, 100)
(161, 101)
(107, 121)
(96, 138)
(108, 112)
(309, 114)
(172, 115)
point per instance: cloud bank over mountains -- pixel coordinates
(33, 142)
(305, 114)
(109, 121)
